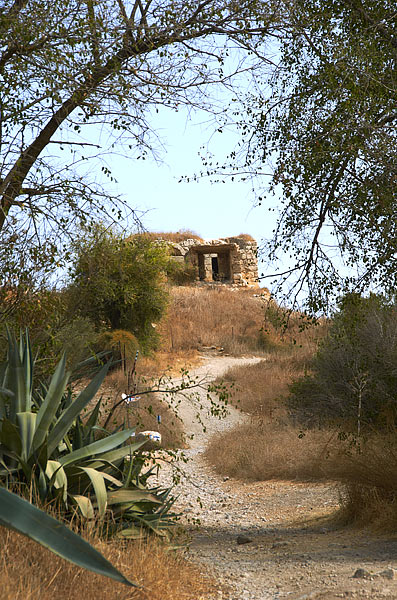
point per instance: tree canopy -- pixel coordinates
(327, 132)
(71, 64)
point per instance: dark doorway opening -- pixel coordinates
(215, 268)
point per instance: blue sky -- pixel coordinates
(212, 210)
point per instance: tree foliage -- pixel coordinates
(326, 131)
(71, 65)
(118, 283)
(354, 379)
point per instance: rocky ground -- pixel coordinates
(277, 539)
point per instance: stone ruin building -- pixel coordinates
(231, 260)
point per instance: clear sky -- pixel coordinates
(213, 210)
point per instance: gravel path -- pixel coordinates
(273, 540)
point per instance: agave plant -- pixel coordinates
(49, 452)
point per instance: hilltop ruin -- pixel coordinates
(231, 260)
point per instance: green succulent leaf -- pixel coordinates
(98, 447)
(7, 392)
(27, 363)
(67, 418)
(131, 496)
(93, 418)
(85, 506)
(56, 474)
(48, 408)
(99, 486)
(27, 427)
(10, 438)
(15, 377)
(116, 455)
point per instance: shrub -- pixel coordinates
(354, 378)
(119, 283)
(181, 273)
(19, 515)
(29, 571)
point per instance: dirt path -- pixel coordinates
(273, 540)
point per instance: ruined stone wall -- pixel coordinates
(244, 265)
(230, 261)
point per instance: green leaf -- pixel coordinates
(27, 363)
(27, 427)
(10, 437)
(66, 419)
(99, 486)
(48, 409)
(85, 506)
(18, 514)
(112, 441)
(128, 496)
(55, 472)
(15, 377)
(93, 418)
(120, 453)
(6, 392)
(131, 533)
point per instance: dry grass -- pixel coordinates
(222, 317)
(259, 453)
(260, 389)
(239, 320)
(270, 447)
(369, 472)
(245, 236)
(171, 236)
(144, 415)
(30, 572)
(265, 451)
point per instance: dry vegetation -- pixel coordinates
(271, 446)
(238, 321)
(223, 317)
(30, 572)
(172, 236)
(144, 415)
(269, 451)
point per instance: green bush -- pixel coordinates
(119, 283)
(181, 273)
(354, 374)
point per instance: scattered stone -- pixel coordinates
(280, 544)
(388, 573)
(226, 478)
(243, 539)
(361, 574)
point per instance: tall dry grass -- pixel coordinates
(269, 446)
(260, 389)
(259, 452)
(215, 316)
(30, 572)
(369, 473)
(171, 236)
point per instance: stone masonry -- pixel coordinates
(231, 260)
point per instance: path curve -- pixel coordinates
(294, 552)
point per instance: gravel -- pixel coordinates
(275, 539)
